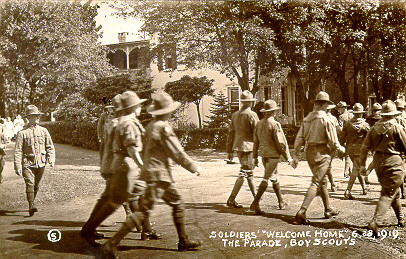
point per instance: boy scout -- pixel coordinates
(160, 145)
(401, 119)
(240, 138)
(125, 140)
(388, 140)
(270, 143)
(353, 134)
(338, 129)
(344, 117)
(319, 134)
(375, 115)
(33, 150)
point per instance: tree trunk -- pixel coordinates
(198, 114)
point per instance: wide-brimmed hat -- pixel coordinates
(389, 108)
(270, 105)
(130, 99)
(322, 97)
(246, 96)
(116, 101)
(376, 106)
(358, 108)
(162, 103)
(32, 110)
(342, 104)
(400, 103)
(331, 106)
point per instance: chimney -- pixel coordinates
(122, 37)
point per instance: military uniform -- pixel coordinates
(33, 150)
(240, 138)
(270, 143)
(401, 119)
(388, 140)
(353, 134)
(318, 133)
(160, 145)
(115, 166)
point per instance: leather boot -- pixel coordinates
(277, 190)
(402, 190)
(310, 195)
(301, 217)
(188, 245)
(31, 207)
(237, 186)
(383, 204)
(255, 204)
(363, 186)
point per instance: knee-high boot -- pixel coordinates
(397, 208)
(250, 180)
(383, 204)
(31, 207)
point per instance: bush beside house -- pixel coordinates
(84, 134)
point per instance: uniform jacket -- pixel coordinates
(161, 145)
(34, 148)
(317, 129)
(399, 119)
(128, 132)
(353, 134)
(241, 131)
(269, 139)
(385, 137)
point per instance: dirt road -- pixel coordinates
(70, 190)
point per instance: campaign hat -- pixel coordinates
(130, 99)
(389, 108)
(270, 105)
(162, 103)
(358, 108)
(32, 110)
(376, 106)
(342, 104)
(322, 97)
(246, 96)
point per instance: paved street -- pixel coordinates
(70, 190)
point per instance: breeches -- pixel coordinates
(355, 165)
(271, 168)
(32, 177)
(390, 172)
(163, 190)
(247, 163)
(318, 158)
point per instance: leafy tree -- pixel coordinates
(220, 111)
(190, 90)
(51, 51)
(221, 35)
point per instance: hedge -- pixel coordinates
(84, 134)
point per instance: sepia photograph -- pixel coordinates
(202, 129)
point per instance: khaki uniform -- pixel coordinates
(338, 130)
(318, 132)
(161, 145)
(372, 119)
(33, 150)
(122, 133)
(388, 140)
(342, 119)
(270, 143)
(353, 135)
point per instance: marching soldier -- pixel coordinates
(318, 133)
(338, 129)
(344, 116)
(240, 138)
(400, 106)
(353, 134)
(388, 140)
(161, 144)
(33, 150)
(270, 143)
(125, 140)
(104, 118)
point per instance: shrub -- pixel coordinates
(82, 134)
(203, 138)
